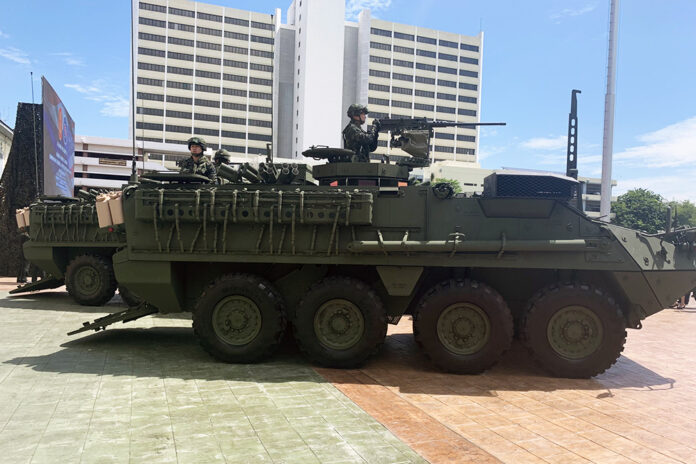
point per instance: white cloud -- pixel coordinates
(70, 59)
(354, 7)
(114, 105)
(4, 35)
(546, 143)
(671, 187)
(571, 12)
(15, 54)
(671, 146)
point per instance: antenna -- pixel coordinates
(36, 154)
(133, 102)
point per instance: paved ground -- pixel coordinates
(146, 391)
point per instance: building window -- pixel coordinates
(376, 73)
(261, 137)
(447, 56)
(180, 12)
(238, 50)
(259, 81)
(237, 21)
(466, 151)
(206, 117)
(150, 67)
(465, 59)
(150, 111)
(444, 135)
(152, 37)
(402, 77)
(179, 85)
(402, 63)
(148, 126)
(261, 53)
(382, 32)
(464, 99)
(401, 104)
(401, 90)
(443, 149)
(445, 83)
(209, 31)
(378, 87)
(427, 40)
(261, 67)
(406, 50)
(426, 53)
(150, 96)
(380, 46)
(447, 43)
(207, 59)
(464, 72)
(210, 17)
(378, 101)
(234, 78)
(207, 88)
(421, 106)
(177, 70)
(208, 74)
(446, 70)
(425, 80)
(208, 45)
(260, 95)
(234, 92)
(236, 35)
(178, 114)
(152, 22)
(178, 41)
(425, 67)
(445, 109)
(258, 25)
(234, 106)
(182, 129)
(180, 100)
(399, 35)
(379, 59)
(464, 85)
(229, 120)
(181, 27)
(208, 103)
(235, 64)
(180, 56)
(424, 93)
(466, 138)
(201, 131)
(151, 7)
(446, 96)
(260, 109)
(150, 52)
(465, 112)
(265, 40)
(473, 48)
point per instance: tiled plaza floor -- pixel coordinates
(146, 392)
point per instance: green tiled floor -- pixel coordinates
(146, 392)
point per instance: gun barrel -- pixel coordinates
(400, 124)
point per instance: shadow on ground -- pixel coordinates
(174, 352)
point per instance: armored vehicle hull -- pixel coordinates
(338, 262)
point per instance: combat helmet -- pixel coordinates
(197, 141)
(356, 109)
(222, 156)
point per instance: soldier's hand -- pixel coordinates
(376, 125)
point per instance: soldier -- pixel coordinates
(355, 138)
(222, 156)
(198, 163)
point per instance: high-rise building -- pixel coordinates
(243, 79)
(6, 134)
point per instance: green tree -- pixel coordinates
(641, 209)
(454, 182)
(684, 213)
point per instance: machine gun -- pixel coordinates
(413, 135)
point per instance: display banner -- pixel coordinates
(58, 144)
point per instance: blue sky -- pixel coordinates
(534, 54)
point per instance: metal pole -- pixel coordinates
(608, 144)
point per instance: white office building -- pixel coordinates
(244, 79)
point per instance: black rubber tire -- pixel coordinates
(105, 287)
(447, 293)
(129, 298)
(368, 303)
(269, 303)
(545, 303)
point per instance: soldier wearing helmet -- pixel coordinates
(355, 138)
(222, 156)
(198, 163)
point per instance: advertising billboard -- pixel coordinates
(58, 144)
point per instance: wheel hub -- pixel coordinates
(236, 320)
(87, 280)
(339, 324)
(463, 328)
(575, 332)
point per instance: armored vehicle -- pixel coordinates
(340, 252)
(66, 242)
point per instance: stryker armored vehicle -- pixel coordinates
(339, 252)
(66, 242)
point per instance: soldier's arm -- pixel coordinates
(212, 174)
(361, 138)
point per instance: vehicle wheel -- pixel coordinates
(239, 318)
(128, 297)
(340, 322)
(90, 280)
(463, 326)
(574, 330)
